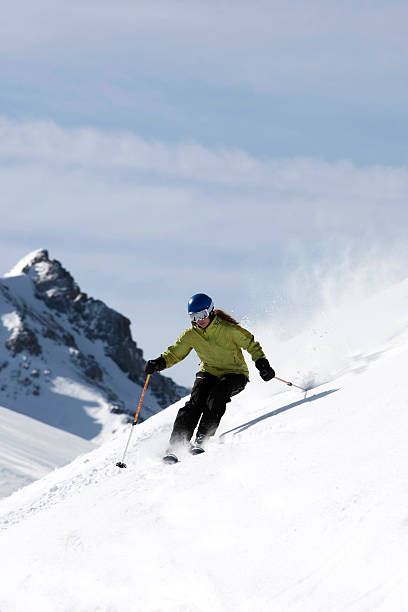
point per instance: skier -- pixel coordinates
(217, 339)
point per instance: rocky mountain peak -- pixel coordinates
(47, 320)
(28, 261)
(53, 283)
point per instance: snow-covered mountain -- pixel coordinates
(300, 503)
(67, 361)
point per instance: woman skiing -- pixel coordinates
(217, 339)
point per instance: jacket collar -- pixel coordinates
(212, 323)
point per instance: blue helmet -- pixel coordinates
(200, 306)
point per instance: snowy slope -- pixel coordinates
(300, 503)
(30, 449)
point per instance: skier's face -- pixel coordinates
(203, 322)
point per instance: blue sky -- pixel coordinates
(246, 149)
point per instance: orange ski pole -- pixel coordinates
(121, 464)
(290, 384)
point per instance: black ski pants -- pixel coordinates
(206, 405)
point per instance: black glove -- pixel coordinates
(265, 370)
(155, 365)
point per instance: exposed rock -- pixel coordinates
(57, 288)
(23, 339)
(88, 364)
(54, 284)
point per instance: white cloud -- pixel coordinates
(144, 224)
(87, 180)
(49, 144)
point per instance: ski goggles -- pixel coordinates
(200, 315)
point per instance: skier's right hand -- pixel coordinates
(155, 365)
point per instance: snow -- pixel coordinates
(30, 449)
(300, 504)
(27, 260)
(11, 320)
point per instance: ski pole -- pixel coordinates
(121, 464)
(290, 384)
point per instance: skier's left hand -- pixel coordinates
(265, 370)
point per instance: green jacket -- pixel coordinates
(218, 346)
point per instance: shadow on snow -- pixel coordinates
(244, 426)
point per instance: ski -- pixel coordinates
(170, 458)
(197, 450)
